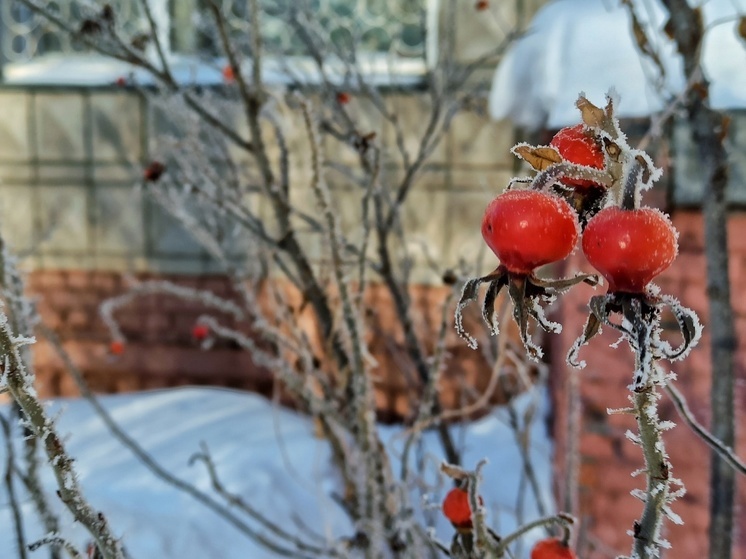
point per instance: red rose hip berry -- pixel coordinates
(552, 548)
(153, 171)
(200, 332)
(116, 347)
(630, 247)
(576, 145)
(456, 508)
(528, 228)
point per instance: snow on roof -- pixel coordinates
(91, 69)
(575, 46)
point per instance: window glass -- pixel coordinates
(290, 27)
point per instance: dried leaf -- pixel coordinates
(644, 45)
(724, 128)
(539, 158)
(645, 169)
(591, 114)
(668, 29)
(742, 27)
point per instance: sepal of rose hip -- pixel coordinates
(637, 317)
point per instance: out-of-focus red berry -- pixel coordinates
(228, 74)
(200, 332)
(481, 5)
(121, 81)
(116, 347)
(343, 98)
(153, 171)
(552, 548)
(456, 508)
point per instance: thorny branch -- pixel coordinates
(20, 386)
(56, 542)
(10, 488)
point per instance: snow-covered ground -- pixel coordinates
(575, 46)
(264, 453)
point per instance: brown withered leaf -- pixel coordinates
(668, 29)
(724, 128)
(591, 114)
(701, 89)
(539, 158)
(641, 38)
(742, 27)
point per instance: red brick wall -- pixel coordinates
(160, 351)
(606, 457)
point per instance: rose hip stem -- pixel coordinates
(629, 194)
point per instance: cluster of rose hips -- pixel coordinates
(589, 184)
(456, 508)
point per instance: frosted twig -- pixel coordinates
(33, 485)
(725, 452)
(523, 440)
(20, 384)
(11, 490)
(154, 36)
(205, 457)
(56, 542)
(158, 287)
(563, 520)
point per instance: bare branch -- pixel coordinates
(725, 452)
(15, 507)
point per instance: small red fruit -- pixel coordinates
(630, 247)
(153, 171)
(121, 81)
(528, 228)
(576, 145)
(552, 548)
(343, 98)
(116, 347)
(200, 332)
(481, 5)
(228, 74)
(456, 507)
